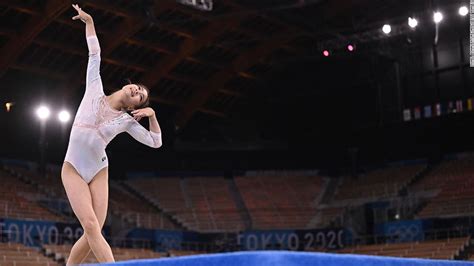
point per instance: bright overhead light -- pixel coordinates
(386, 29)
(9, 105)
(463, 11)
(326, 53)
(64, 116)
(43, 112)
(437, 17)
(412, 22)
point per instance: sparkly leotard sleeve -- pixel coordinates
(93, 80)
(96, 123)
(144, 136)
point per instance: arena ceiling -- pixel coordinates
(201, 66)
(194, 61)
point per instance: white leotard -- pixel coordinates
(96, 123)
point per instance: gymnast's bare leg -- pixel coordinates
(89, 203)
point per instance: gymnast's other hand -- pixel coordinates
(81, 14)
(144, 112)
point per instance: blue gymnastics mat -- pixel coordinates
(287, 258)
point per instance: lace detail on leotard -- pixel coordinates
(105, 114)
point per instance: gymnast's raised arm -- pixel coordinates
(93, 81)
(87, 19)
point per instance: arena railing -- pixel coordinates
(65, 239)
(438, 234)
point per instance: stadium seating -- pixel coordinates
(14, 254)
(121, 202)
(140, 212)
(434, 249)
(206, 205)
(328, 215)
(381, 183)
(14, 201)
(372, 186)
(452, 182)
(280, 202)
(179, 253)
(273, 201)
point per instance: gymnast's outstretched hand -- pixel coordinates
(144, 112)
(81, 14)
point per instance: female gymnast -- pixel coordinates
(85, 170)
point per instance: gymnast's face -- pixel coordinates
(134, 95)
